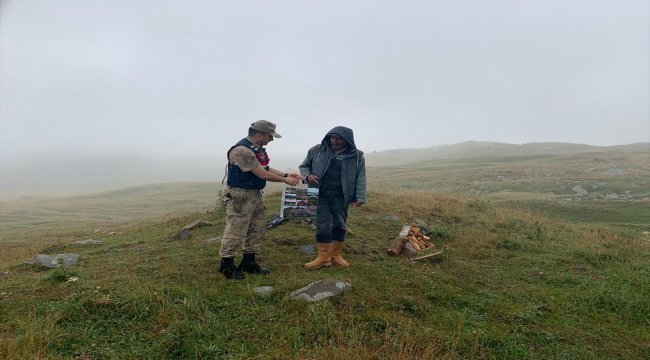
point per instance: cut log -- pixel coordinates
(397, 245)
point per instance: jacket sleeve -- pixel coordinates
(305, 167)
(361, 179)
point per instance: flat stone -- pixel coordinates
(52, 261)
(113, 233)
(319, 290)
(88, 242)
(613, 171)
(308, 249)
(390, 218)
(580, 191)
(263, 291)
(184, 234)
(197, 224)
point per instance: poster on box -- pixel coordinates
(298, 201)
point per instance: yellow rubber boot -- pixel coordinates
(324, 257)
(337, 248)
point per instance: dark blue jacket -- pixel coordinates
(245, 179)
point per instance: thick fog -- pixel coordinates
(101, 94)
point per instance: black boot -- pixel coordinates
(249, 265)
(228, 269)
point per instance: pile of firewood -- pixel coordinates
(412, 235)
(418, 240)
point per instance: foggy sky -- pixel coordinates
(188, 77)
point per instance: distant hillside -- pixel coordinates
(63, 174)
(473, 149)
(129, 204)
(71, 174)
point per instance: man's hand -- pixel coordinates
(312, 180)
(293, 179)
(357, 203)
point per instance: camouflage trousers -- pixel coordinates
(245, 225)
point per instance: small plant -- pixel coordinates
(220, 206)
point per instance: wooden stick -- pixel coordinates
(414, 243)
(426, 256)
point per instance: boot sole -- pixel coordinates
(319, 266)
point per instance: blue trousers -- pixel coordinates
(331, 216)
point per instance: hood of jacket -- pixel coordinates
(345, 133)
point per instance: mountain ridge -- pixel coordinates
(473, 148)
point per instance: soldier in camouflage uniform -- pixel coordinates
(248, 172)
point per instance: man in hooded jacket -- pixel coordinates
(338, 170)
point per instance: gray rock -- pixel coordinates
(263, 291)
(319, 290)
(420, 222)
(308, 249)
(52, 261)
(197, 224)
(88, 242)
(184, 234)
(580, 191)
(214, 240)
(68, 259)
(611, 196)
(613, 171)
(113, 233)
(409, 250)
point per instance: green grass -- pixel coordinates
(529, 270)
(513, 283)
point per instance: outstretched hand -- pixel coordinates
(293, 179)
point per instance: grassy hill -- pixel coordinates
(34, 215)
(531, 269)
(616, 182)
(511, 284)
(489, 149)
